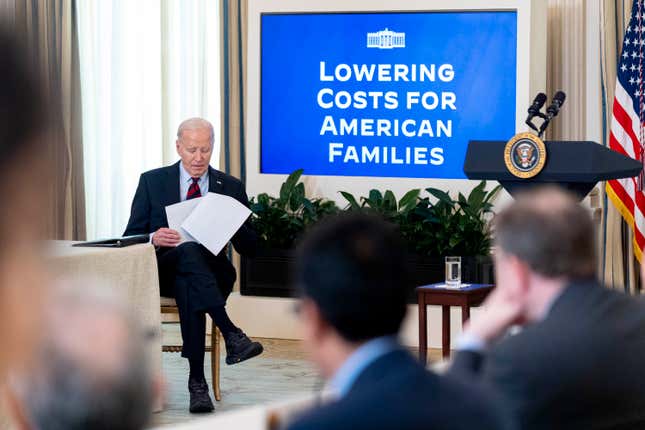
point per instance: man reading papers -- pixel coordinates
(199, 281)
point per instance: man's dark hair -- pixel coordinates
(354, 267)
(22, 109)
(551, 232)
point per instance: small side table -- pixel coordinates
(438, 294)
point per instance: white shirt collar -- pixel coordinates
(361, 358)
(184, 176)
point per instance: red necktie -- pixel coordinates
(193, 190)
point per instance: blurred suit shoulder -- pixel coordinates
(396, 392)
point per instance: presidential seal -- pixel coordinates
(525, 155)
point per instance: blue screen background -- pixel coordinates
(481, 46)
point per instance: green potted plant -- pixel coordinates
(435, 229)
(279, 222)
(433, 226)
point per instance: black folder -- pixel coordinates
(118, 242)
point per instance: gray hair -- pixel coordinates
(195, 124)
(548, 230)
(71, 387)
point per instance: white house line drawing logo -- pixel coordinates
(386, 39)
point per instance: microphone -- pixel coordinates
(556, 104)
(534, 110)
(552, 110)
(538, 102)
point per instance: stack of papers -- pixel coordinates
(211, 220)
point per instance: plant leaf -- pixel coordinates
(376, 197)
(409, 200)
(442, 196)
(353, 204)
(288, 186)
(389, 202)
(477, 195)
(492, 194)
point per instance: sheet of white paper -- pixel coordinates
(176, 215)
(215, 220)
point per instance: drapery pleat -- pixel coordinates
(48, 27)
(190, 69)
(234, 23)
(566, 67)
(7, 12)
(233, 49)
(617, 252)
(146, 66)
(566, 70)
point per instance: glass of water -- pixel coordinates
(453, 271)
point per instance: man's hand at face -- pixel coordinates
(166, 237)
(500, 311)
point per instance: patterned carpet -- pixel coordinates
(281, 372)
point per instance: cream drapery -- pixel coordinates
(233, 49)
(566, 66)
(618, 254)
(190, 68)
(49, 29)
(146, 65)
(120, 53)
(7, 12)
(566, 69)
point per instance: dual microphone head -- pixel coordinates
(537, 104)
(551, 111)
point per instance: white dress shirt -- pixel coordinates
(185, 180)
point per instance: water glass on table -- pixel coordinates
(453, 272)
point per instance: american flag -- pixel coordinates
(627, 125)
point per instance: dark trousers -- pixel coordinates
(200, 282)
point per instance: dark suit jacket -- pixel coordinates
(159, 188)
(397, 393)
(582, 367)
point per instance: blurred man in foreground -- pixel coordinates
(24, 173)
(578, 363)
(90, 370)
(351, 272)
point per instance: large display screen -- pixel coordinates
(384, 94)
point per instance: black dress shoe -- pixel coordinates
(239, 347)
(200, 400)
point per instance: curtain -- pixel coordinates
(145, 66)
(566, 70)
(233, 49)
(617, 252)
(566, 67)
(234, 19)
(190, 68)
(121, 83)
(49, 30)
(7, 12)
